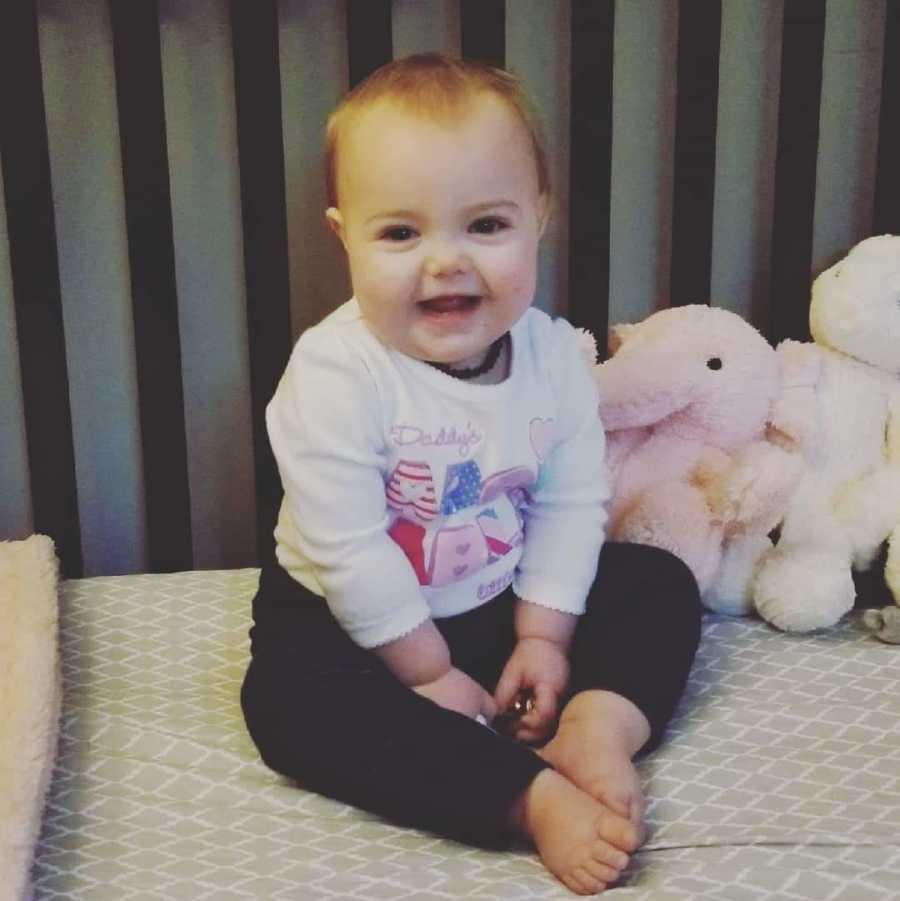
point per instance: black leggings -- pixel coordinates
(330, 715)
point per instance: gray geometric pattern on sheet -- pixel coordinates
(780, 777)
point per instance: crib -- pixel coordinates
(162, 246)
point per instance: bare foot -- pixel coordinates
(584, 844)
(599, 733)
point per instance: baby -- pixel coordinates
(440, 543)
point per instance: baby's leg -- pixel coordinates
(328, 714)
(631, 656)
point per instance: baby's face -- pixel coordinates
(441, 223)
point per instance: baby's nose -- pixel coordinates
(445, 259)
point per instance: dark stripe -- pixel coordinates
(151, 256)
(260, 148)
(482, 30)
(795, 168)
(370, 43)
(699, 32)
(35, 275)
(590, 164)
(887, 182)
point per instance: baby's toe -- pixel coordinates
(610, 857)
(583, 882)
(619, 832)
(603, 872)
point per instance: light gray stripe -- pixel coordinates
(749, 79)
(313, 79)
(206, 216)
(79, 90)
(420, 26)
(538, 49)
(643, 129)
(848, 127)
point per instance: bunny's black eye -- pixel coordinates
(714, 363)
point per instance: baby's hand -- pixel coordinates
(457, 691)
(540, 667)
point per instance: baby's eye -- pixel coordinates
(488, 225)
(397, 233)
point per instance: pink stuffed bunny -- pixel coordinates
(702, 464)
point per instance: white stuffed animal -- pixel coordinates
(848, 501)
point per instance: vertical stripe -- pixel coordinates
(848, 154)
(148, 214)
(206, 215)
(35, 278)
(746, 133)
(886, 218)
(15, 496)
(592, 31)
(369, 38)
(483, 30)
(538, 51)
(646, 40)
(313, 79)
(795, 168)
(421, 26)
(254, 31)
(699, 32)
(89, 203)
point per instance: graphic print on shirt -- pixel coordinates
(411, 538)
(462, 487)
(478, 520)
(450, 553)
(542, 433)
(456, 553)
(410, 491)
(502, 533)
(511, 482)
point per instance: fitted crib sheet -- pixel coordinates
(780, 777)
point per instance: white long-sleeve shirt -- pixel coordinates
(410, 494)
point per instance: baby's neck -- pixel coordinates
(492, 369)
(498, 372)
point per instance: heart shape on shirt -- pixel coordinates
(541, 432)
(463, 549)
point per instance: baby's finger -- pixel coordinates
(545, 702)
(507, 688)
(535, 726)
(530, 735)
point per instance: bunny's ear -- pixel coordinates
(794, 417)
(618, 335)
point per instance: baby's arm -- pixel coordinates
(566, 516)
(421, 660)
(328, 438)
(539, 664)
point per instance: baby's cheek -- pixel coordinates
(380, 278)
(521, 262)
(516, 278)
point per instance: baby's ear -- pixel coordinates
(544, 210)
(336, 222)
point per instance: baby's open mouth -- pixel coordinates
(450, 303)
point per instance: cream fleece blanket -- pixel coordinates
(30, 701)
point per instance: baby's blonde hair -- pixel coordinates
(437, 86)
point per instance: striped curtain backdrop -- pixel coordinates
(162, 240)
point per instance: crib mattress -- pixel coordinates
(780, 777)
